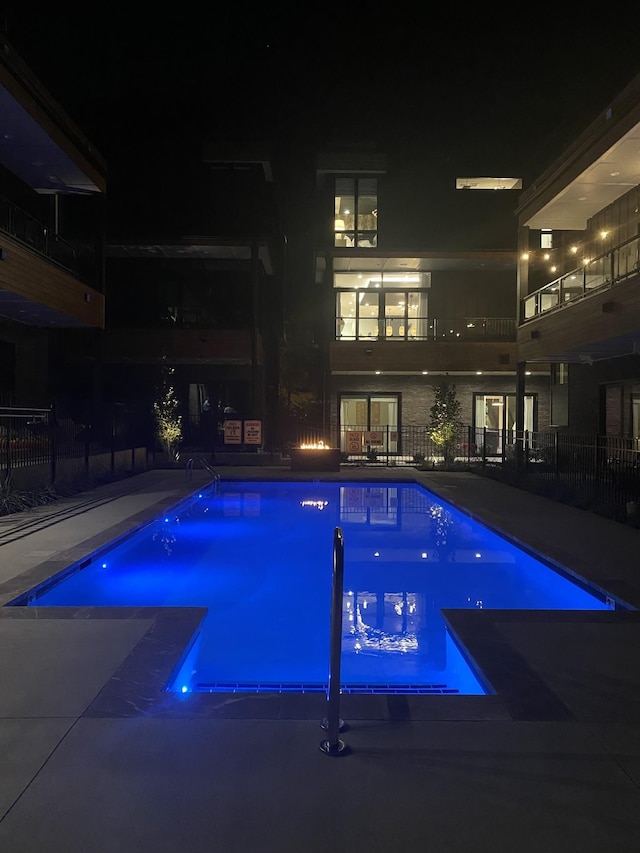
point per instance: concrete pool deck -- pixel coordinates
(95, 758)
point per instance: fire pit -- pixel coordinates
(315, 457)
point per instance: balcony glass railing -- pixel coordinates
(608, 268)
(426, 329)
(37, 236)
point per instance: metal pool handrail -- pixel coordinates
(333, 745)
(205, 465)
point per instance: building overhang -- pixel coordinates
(227, 253)
(350, 163)
(240, 156)
(600, 166)
(388, 261)
(535, 370)
(38, 141)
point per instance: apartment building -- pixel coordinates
(400, 322)
(579, 276)
(52, 228)
(193, 304)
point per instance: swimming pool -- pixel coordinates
(259, 556)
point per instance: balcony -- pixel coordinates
(595, 274)
(451, 329)
(37, 292)
(603, 301)
(33, 234)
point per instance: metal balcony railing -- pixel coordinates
(34, 234)
(426, 329)
(595, 274)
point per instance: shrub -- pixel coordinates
(445, 421)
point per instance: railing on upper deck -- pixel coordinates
(595, 274)
(34, 234)
(427, 329)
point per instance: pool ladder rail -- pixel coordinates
(191, 463)
(332, 724)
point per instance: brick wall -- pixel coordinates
(417, 394)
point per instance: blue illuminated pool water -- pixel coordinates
(259, 556)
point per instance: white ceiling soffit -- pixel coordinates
(28, 151)
(488, 183)
(611, 176)
(368, 263)
(469, 262)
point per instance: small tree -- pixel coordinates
(445, 420)
(168, 421)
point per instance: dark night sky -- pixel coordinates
(462, 91)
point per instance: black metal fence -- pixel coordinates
(598, 472)
(603, 470)
(33, 436)
(387, 445)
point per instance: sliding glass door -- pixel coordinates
(497, 414)
(369, 423)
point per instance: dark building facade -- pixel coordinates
(198, 310)
(52, 235)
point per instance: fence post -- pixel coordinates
(556, 455)
(87, 441)
(9, 440)
(113, 439)
(53, 449)
(484, 446)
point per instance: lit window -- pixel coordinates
(356, 213)
(546, 239)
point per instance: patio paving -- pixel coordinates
(98, 758)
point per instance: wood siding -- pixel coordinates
(29, 276)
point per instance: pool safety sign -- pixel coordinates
(243, 432)
(232, 432)
(354, 441)
(253, 432)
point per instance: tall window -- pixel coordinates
(496, 413)
(635, 415)
(356, 212)
(390, 305)
(559, 394)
